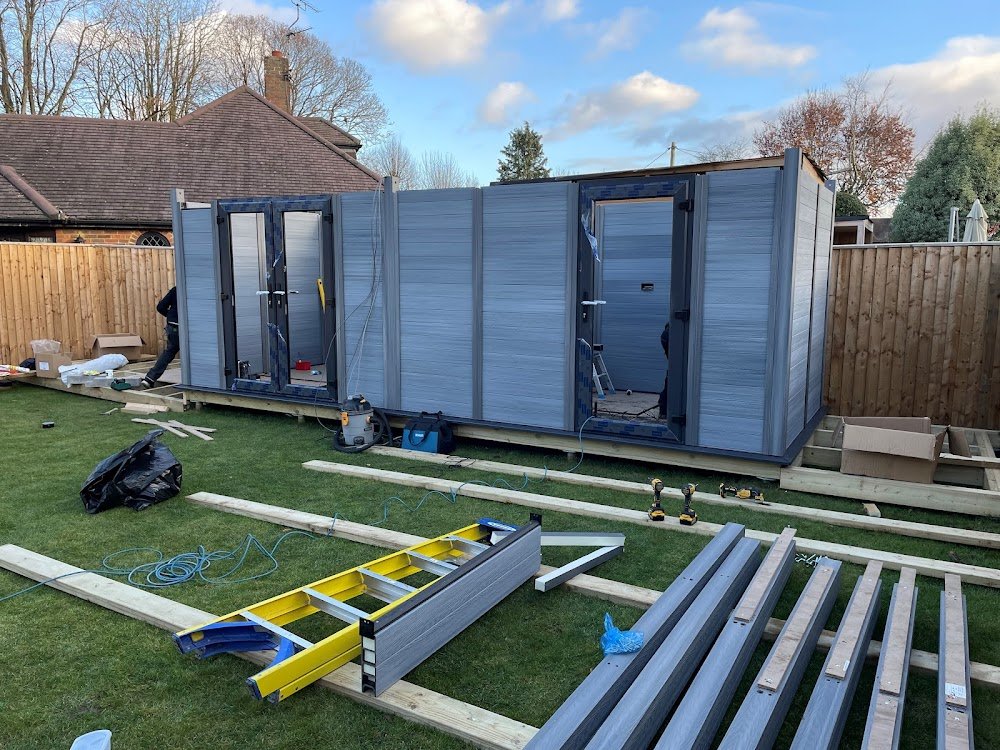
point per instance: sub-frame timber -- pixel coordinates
(954, 725)
(628, 594)
(703, 707)
(885, 712)
(762, 712)
(925, 566)
(469, 723)
(823, 722)
(579, 717)
(837, 518)
(636, 719)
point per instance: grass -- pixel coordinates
(72, 667)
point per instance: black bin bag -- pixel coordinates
(139, 476)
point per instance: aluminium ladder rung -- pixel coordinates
(277, 630)
(467, 546)
(384, 588)
(334, 607)
(429, 564)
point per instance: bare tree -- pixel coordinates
(859, 136)
(391, 157)
(154, 66)
(439, 169)
(738, 148)
(323, 85)
(43, 45)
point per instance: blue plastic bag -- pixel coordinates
(615, 641)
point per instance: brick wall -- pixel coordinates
(108, 235)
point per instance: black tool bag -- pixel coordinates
(137, 477)
(430, 433)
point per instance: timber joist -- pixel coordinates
(935, 568)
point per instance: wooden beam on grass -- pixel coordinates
(991, 478)
(850, 520)
(162, 426)
(938, 497)
(954, 719)
(469, 723)
(601, 588)
(925, 566)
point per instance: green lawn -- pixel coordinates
(71, 667)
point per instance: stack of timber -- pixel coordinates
(168, 396)
(962, 484)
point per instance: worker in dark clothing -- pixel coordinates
(665, 343)
(167, 307)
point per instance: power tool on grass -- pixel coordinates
(743, 493)
(688, 517)
(656, 510)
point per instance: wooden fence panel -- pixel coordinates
(912, 330)
(70, 292)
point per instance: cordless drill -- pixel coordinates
(656, 510)
(688, 517)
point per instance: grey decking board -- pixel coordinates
(889, 693)
(823, 722)
(576, 720)
(636, 719)
(762, 712)
(407, 636)
(703, 707)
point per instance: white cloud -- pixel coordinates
(619, 33)
(433, 34)
(560, 10)
(502, 103)
(733, 38)
(960, 77)
(637, 103)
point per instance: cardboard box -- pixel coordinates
(902, 448)
(127, 344)
(47, 365)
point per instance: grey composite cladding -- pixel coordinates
(396, 643)
(735, 307)
(202, 305)
(303, 266)
(246, 238)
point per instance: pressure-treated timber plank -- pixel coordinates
(467, 722)
(613, 591)
(885, 712)
(938, 497)
(762, 712)
(935, 568)
(954, 726)
(162, 426)
(636, 718)
(575, 721)
(703, 707)
(825, 716)
(837, 518)
(991, 478)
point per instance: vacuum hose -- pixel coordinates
(383, 435)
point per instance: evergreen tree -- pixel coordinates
(962, 164)
(849, 204)
(523, 158)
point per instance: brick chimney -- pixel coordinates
(278, 81)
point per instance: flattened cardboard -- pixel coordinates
(901, 448)
(47, 365)
(958, 443)
(127, 344)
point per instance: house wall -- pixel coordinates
(108, 235)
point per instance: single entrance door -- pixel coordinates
(633, 279)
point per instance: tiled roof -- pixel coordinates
(328, 131)
(122, 171)
(13, 201)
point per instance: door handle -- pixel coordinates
(290, 291)
(262, 292)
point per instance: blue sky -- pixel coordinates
(609, 85)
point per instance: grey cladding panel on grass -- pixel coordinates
(526, 304)
(201, 289)
(734, 310)
(801, 304)
(405, 638)
(436, 300)
(635, 241)
(362, 335)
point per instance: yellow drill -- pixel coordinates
(688, 517)
(656, 510)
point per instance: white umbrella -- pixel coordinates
(975, 224)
